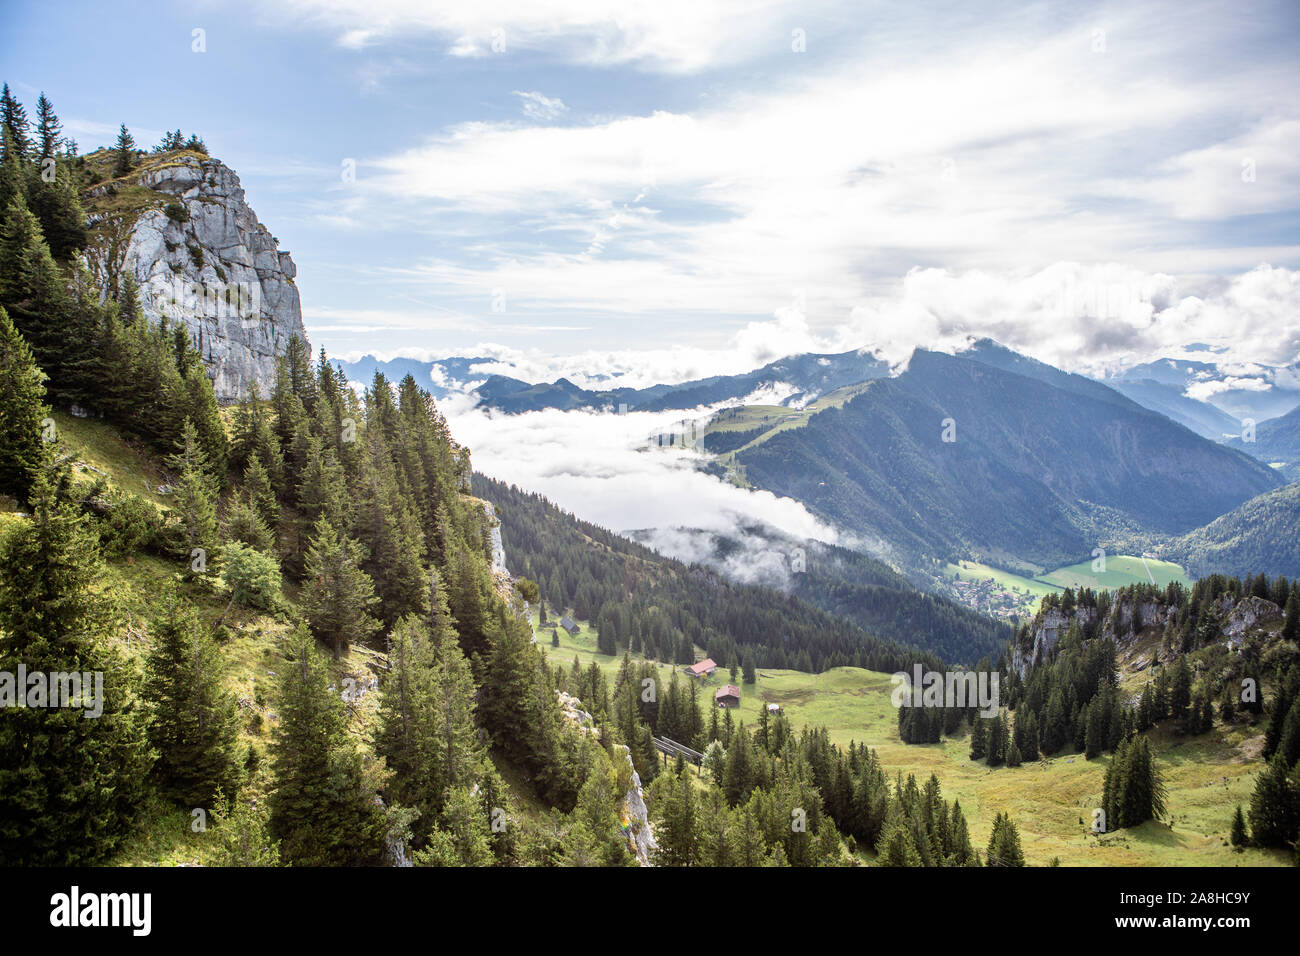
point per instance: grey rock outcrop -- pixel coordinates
(1248, 613)
(201, 257)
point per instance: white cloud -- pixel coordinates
(668, 36)
(1092, 318)
(599, 467)
(540, 107)
(851, 173)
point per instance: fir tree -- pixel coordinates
(195, 727)
(22, 413)
(1275, 805)
(1291, 627)
(322, 810)
(14, 119)
(124, 150)
(978, 739)
(69, 786)
(48, 128)
(337, 595)
(1004, 843)
(463, 834)
(194, 503)
(1239, 836)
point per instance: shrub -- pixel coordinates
(252, 577)
(128, 523)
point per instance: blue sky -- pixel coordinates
(682, 187)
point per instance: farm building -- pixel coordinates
(728, 696)
(703, 669)
(569, 624)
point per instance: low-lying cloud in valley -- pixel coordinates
(598, 466)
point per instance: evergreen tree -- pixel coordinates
(1239, 836)
(1275, 805)
(1004, 843)
(244, 831)
(463, 835)
(22, 413)
(337, 595)
(322, 810)
(14, 119)
(48, 128)
(978, 739)
(427, 732)
(194, 503)
(1291, 627)
(195, 727)
(69, 785)
(124, 150)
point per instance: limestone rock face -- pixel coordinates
(201, 257)
(1250, 612)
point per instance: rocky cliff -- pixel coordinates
(179, 224)
(1236, 617)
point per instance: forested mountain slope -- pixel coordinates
(661, 607)
(1263, 532)
(1033, 470)
(1277, 441)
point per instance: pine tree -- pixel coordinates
(22, 413)
(48, 128)
(1275, 805)
(322, 810)
(1291, 628)
(337, 595)
(1004, 843)
(978, 739)
(14, 119)
(1239, 836)
(124, 149)
(195, 727)
(69, 786)
(194, 502)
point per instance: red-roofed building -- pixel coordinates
(703, 669)
(728, 696)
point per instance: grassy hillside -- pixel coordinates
(1207, 776)
(1121, 570)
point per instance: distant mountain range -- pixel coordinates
(1041, 466)
(1210, 400)
(1045, 465)
(1260, 392)
(795, 380)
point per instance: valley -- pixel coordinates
(1206, 776)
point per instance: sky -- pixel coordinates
(664, 191)
(692, 187)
